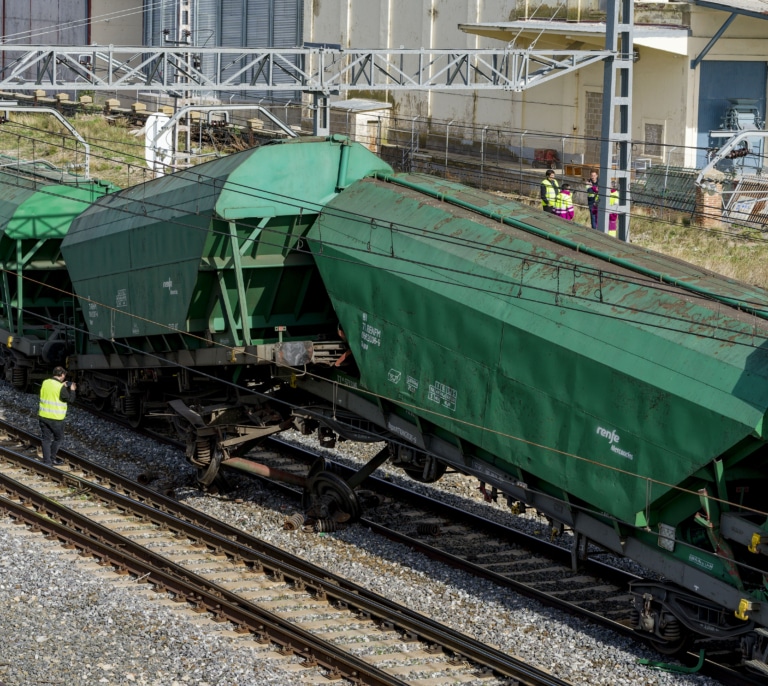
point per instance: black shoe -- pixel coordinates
(58, 463)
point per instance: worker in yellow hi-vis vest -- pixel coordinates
(613, 217)
(55, 393)
(548, 190)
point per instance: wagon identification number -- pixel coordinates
(93, 311)
(704, 564)
(614, 438)
(369, 334)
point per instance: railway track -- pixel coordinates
(508, 557)
(278, 598)
(546, 571)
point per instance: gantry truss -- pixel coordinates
(317, 69)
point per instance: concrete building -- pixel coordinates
(683, 86)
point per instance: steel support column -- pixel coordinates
(695, 62)
(617, 124)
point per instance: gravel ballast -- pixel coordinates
(63, 621)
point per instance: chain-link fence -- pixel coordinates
(494, 158)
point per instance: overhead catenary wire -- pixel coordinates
(79, 23)
(730, 234)
(650, 283)
(365, 220)
(416, 408)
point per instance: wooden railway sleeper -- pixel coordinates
(485, 673)
(457, 659)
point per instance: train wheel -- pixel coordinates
(677, 647)
(330, 497)
(99, 403)
(676, 641)
(433, 472)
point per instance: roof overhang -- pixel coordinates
(556, 35)
(755, 9)
(749, 8)
(360, 105)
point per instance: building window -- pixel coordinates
(654, 139)
(593, 118)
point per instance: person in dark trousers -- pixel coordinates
(592, 196)
(549, 188)
(55, 393)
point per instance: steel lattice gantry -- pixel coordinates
(185, 71)
(318, 70)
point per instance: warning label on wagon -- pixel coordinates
(443, 395)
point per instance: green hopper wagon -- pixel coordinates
(621, 392)
(37, 309)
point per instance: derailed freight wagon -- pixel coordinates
(620, 392)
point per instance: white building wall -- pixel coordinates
(555, 107)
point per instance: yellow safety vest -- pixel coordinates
(552, 189)
(613, 199)
(563, 202)
(51, 406)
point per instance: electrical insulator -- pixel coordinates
(741, 151)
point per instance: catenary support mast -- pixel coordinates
(616, 142)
